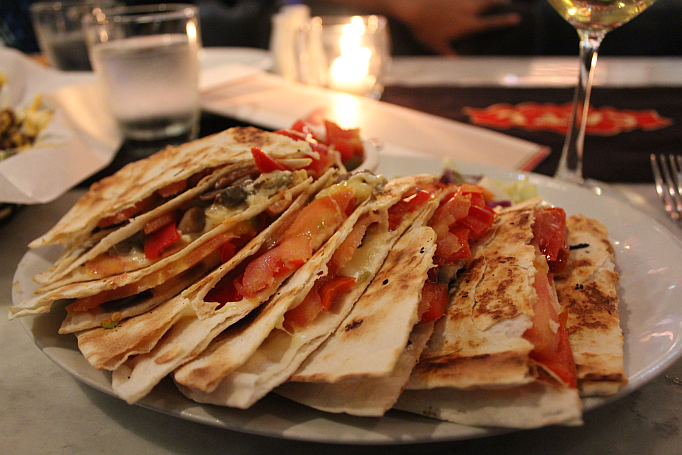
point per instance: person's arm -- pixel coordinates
(436, 23)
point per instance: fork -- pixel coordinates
(668, 181)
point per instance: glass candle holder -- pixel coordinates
(347, 53)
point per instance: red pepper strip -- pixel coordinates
(265, 163)
(172, 188)
(159, 240)
(157, 223)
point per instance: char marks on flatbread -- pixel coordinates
(382, 318)
(587, 288)
(141, 179)
(234, 347)
(282, 352)
(478, 343)
(367, 397)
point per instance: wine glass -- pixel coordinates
(592, 19)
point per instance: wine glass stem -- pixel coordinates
(571, 161)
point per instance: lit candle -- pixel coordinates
(350, 71)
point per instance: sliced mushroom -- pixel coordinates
(192, 221)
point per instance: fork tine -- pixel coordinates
(676, 187)
(662, 187)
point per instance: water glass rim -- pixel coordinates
(62, 4)
(143, 13)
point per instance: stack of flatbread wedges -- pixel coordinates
(250, 262)
(477, 366)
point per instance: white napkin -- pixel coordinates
(80, 139)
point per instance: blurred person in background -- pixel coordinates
(418, 27)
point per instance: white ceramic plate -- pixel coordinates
(647, 257)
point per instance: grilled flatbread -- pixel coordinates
(284, 350)
(105, 348)
(190, 336)
(479, 341)
(479, 368)
(529, 406)
(141, 179)
(587, 288)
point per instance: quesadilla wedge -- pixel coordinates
(108, 348)
(90, 295)
(316, 311)
(252, 284)
(143, 185)
(503, 331)
(587, 291)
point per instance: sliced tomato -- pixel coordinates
(161, 239)
(322, 217)
(225, 291)
(478, 221)
(562, 364)
(319, 165)
(301, 126)
(126, 214)
(333, 289)
(453, 245)
(346, 250)
(172, 189)
(550, 348)
(398, 211)
(274, 266)
(346, 141)
(433, 301)
(321, 297)
(227, 251)
(266, 163)
(453, 207)
(551, 236)
(304, 312)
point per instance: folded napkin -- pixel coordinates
(80, 139)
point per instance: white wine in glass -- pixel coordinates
(592, 19)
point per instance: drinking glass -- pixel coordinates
(146, 60)
(57, 25)
(346, 53)
(592, 19)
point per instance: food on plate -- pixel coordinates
(376, 240)
(252, 262)
(588, 294)
(503, 330)
(130, 233)
(20, 127)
